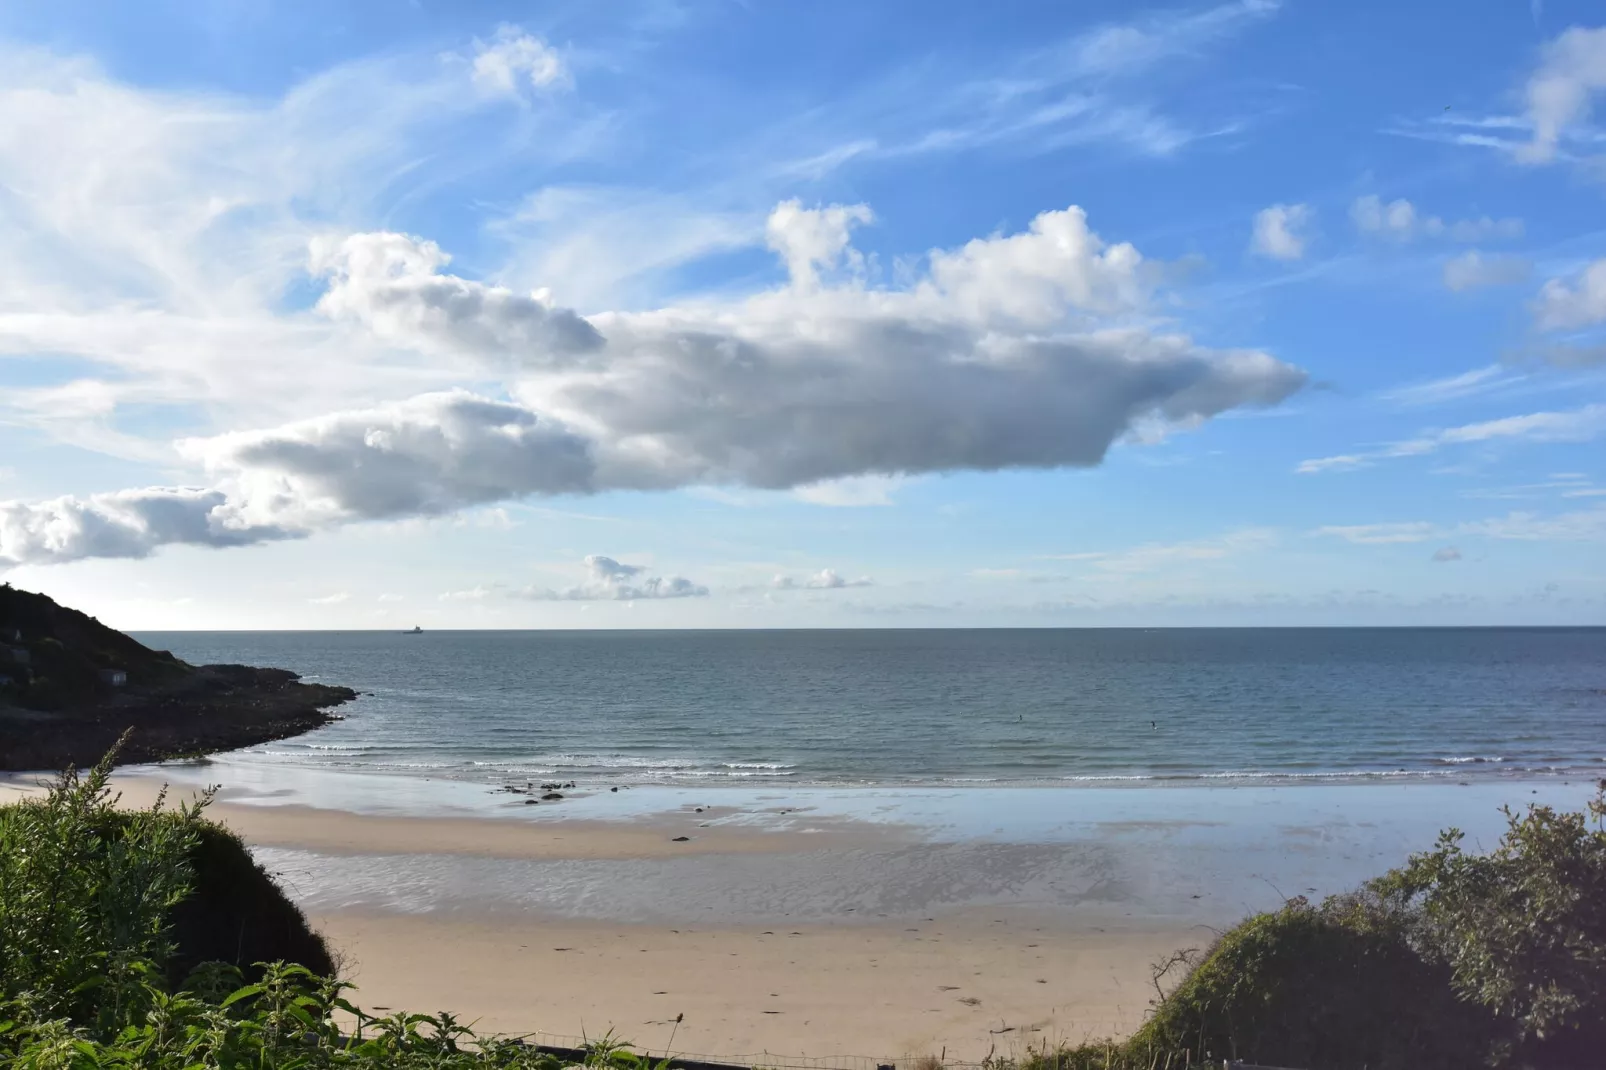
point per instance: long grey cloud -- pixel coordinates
(1030, 350)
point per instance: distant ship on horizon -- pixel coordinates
(416, 631)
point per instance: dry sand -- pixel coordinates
(967, 984)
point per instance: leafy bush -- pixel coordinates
(96, 913)
(1452, 961)
(290, 1020)
(1335, 985)
(1521, 930)
(84, 913)
(236, 914)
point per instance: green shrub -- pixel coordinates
(289, 1020)
(77, 862)
(1520, 930)
(1331, 986)
(1452, 961)
(237, 914)
(84, 914)
(101, 908)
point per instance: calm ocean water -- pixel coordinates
(983, 706)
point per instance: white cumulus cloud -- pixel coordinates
(513, 59)
(812, 240)
(129, 523)
(1560, 92)
(392, 284)
(614, 581)
(824, 580)
(1581, 303)
(1280, 231)
(1399, 219)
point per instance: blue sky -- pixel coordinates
(744, 314)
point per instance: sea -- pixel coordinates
(1089, 707)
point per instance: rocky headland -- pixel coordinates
(71, 686)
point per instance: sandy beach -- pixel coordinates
(877, 924)
(964, 984)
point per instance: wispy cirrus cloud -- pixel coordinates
(1575, 425)
(1485, 380)
(1583, 525)
(1558, 99)
(1093, 87)
(1154, 556)
(155, 234)
(1381, 534)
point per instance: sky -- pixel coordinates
(739, 313)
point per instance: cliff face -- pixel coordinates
(62, 701)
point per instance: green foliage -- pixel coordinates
(236, 914)
(83, 915)
(289, 1020)
(1521, 930)
(1335, 985)
(88, 944)
(1452, 961)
